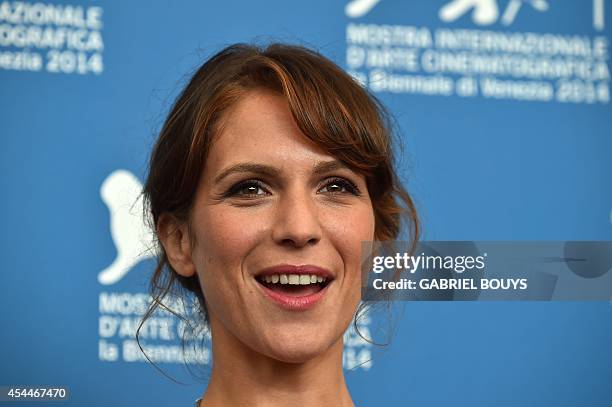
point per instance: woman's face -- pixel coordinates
(270, 202)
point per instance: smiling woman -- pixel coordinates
(271, 169)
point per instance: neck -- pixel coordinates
(242, 376)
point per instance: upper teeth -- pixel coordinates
(294, 279)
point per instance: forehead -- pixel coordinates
(260, 127)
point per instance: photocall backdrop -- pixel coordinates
(504, 110)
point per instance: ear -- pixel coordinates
(174, 236)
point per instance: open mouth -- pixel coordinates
(294, 285)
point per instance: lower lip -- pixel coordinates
(294, 303)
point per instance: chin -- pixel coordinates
(296, 354)
(298, 349)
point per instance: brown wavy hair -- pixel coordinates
(330, 108)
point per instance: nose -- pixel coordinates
(296, 222)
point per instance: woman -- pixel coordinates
(271, 169)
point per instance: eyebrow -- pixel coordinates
(321, 167)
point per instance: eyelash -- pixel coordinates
(346, 184)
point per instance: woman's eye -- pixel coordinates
(254, 188)
(339, 186)
(247, 188)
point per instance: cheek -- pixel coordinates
(223, 237)
(223, 241)
(350, 229)
(347, 232)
